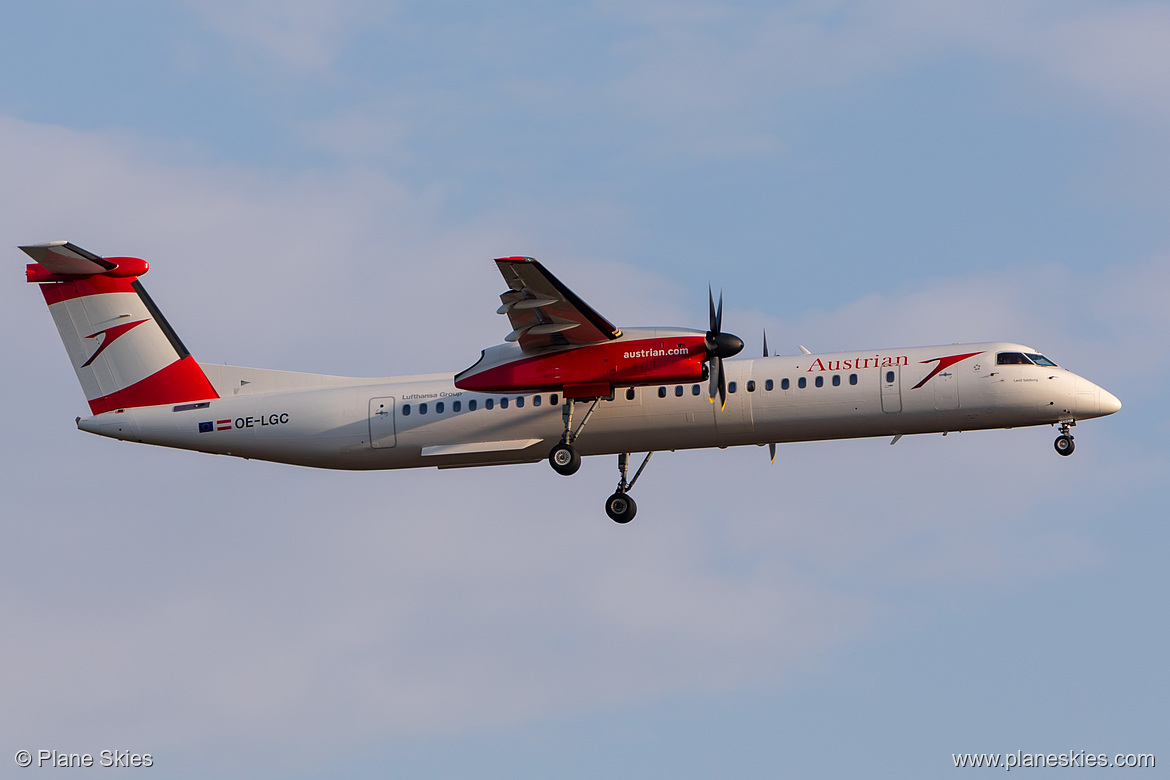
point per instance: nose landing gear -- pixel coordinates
(1064, 442)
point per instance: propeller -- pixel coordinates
(771, 445)
(719, 345)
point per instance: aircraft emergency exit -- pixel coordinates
(565, 383)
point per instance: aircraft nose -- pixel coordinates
(1107, 403)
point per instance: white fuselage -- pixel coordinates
(413, 421)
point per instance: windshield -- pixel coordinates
(1040, 360)
(1011, 359)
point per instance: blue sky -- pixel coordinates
(321, 187)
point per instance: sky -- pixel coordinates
(321, 187)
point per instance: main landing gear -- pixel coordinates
(620, 507)
(1064, 442)
(564, 459)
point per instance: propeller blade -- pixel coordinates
(772, 451)
(713, 325)
(723, 387)
(719, 345)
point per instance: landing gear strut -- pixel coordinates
(620, 507)
(1064, 442)
(564, 459)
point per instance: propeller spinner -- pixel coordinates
(719, 345)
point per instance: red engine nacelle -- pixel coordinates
(595, 369)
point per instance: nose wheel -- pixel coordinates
(1064, 442)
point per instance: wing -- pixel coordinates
(544, 312)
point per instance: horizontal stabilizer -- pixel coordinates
(61, 257)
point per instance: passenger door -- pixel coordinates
(891, 379)
(382, 423)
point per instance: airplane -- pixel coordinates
(565, 383)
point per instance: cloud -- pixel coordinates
(1116, 54)
(713, 77)
(304, 35)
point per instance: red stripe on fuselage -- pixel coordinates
(179, 382)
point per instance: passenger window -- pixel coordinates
(422, 408)
(504, 402)
(406, 410)
(519, 402)
(802, 383)
(471, 405)
(552, 399)
(785, 384)
(536, 400)
(629, 394)
(768, 385)
(731, 387)
(694, 389)
(1011, 359)
(889, 377)
(853, 379)
(456, 406)
(678, 391)
(662, 392)
(488, 403)
(836, 380)
(820, 381)
(751, 386)
(439, 408)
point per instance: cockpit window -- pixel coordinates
(1011, 359)
(1040, 360)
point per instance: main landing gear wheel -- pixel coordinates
(620, 508)
(564, 459)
